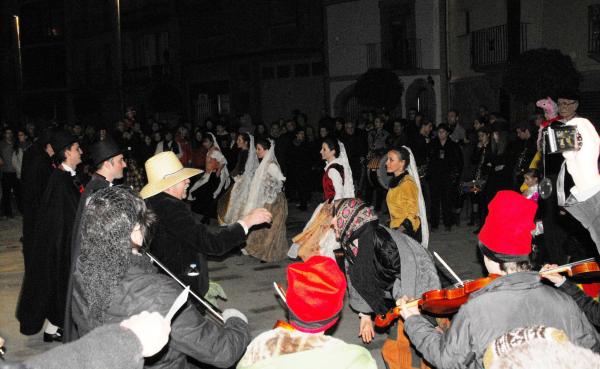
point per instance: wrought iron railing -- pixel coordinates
(489, 46)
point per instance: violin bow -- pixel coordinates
(448, 268)
(566, 267)
(280, 291)
(209, 307)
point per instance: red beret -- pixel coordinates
(507, 228)
(315, 294)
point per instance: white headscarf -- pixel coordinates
(265, 186)
(224, 179)
(342, 159)
(412, 171)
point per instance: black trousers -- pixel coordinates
(443, 195)
(10, 185)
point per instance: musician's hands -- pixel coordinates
(555, 278)
(406, 311)
(366, 331)
(257, 216)
(151, 329)
(583, 164)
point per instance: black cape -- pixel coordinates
(44, 291)
(36, 170)
(98, 182)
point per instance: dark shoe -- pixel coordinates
(56, 337)
(457, 220)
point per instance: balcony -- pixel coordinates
(404, 54)
(489, 47)
(594, 32)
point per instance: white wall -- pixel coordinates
(427, 22)
(350, 27)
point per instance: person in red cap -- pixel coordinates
(315, 299)
(515, 299)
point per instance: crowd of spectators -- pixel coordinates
(462, 164)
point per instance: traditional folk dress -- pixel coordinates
(268, 243)
(205, 192)
(231, 206)
(318, 238)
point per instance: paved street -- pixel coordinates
(247, 282)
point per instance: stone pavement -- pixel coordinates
(247, 282)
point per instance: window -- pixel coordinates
(301, 70)
(283, 71)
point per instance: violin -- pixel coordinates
(586, 269)
(439, 302)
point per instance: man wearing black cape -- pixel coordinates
(44, 291)
(109, 161)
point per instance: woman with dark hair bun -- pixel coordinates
(268, 244)
(404, 198)
(231, 206)
(317, 238)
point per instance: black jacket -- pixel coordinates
(97, 183)
(191, 334)
(179, 239)
(44, 290)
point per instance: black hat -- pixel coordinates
(104, 150)
(61, 139)
(568, 94)
(485, 129)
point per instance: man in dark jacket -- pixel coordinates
(44, 291)
(299, 161)
(179, 238)
(517, 298)
(443, 174)
(356, 148)
(109, 162)
(114, 280)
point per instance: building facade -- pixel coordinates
(404, 36)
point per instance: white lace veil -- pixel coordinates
(264, 187)
(241, 188)
(224, 180)
(348, 181)
(412, 171)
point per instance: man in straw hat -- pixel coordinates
(315, 299)
(179, 238)
(517, 298)
(108, 159)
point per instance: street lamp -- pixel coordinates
(19, 63)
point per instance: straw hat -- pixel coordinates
(163, 171)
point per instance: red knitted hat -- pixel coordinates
(315, 294)
(507, 228)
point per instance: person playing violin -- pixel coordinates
(315, 299)
(515, 299)
(381, 265)
(588, 305)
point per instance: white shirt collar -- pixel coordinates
(68, 169)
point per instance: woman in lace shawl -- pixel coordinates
(231, 206)
(268, 243)
(215, 180)
(317, 238)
